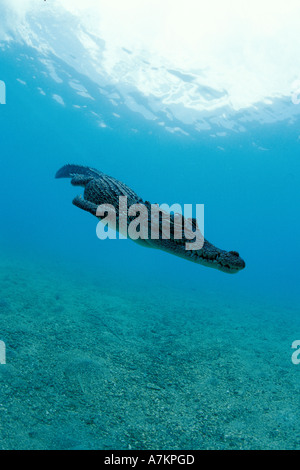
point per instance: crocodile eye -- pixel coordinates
(234, 253)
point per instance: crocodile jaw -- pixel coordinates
(210, 256)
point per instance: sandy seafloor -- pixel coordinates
(91, 365)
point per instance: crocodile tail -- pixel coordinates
(69, 171)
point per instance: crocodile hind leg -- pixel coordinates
(85, 205)
(81, 180)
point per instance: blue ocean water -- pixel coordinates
(112, 346)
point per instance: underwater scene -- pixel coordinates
(110, 343)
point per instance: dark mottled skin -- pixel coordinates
(103, 189)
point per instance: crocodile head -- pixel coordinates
(226, 261)
(208, 255)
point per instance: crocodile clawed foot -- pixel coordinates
(80, 180)
(87, 206)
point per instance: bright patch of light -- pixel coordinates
(185, 56)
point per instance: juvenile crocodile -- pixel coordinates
(100, 188)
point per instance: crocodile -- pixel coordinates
(100, 188)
